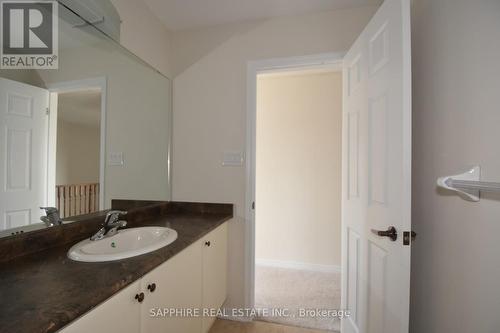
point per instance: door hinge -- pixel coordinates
(253, 205)
(47, 111)
(409, 237)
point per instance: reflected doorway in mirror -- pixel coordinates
(77, 135)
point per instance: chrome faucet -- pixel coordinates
(52, 217)
(111, 224)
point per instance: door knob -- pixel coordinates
(390, 232)
(152, 287)
(207, 243)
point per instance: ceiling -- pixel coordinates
(80, 107)
(190, 14)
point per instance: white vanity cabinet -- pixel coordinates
(174, 285)
(195, 278)
(117, 314)
(214, 272)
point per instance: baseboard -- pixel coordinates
(228, 314)
(298, 265)
(234, 318)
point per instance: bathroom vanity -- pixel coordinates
(45, 291)
(193, 279)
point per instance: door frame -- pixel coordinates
(68, 86)
(254, 68)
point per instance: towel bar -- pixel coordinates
(468, 184)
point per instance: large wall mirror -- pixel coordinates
(95, 129)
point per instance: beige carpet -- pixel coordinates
(227, 326)
(294, 290)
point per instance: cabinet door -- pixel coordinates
(176, 284)
(214, 271)
(120, 313)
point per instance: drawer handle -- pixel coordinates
(152, 287)
(207, 243)
(139, 297)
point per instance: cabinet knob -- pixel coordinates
(139, 297)
(152, 287)
(207, 243)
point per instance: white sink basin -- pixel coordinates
(125, 243)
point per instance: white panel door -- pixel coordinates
(377, 174)
(23, 153)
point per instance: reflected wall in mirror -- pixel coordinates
(96, 129)
(78, 140)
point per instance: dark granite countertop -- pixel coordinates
(44, 291)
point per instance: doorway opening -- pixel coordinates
(298, 184)
(76, 144)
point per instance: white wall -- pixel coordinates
(210, 109)
(27, 76)
(456, 114)
(77, 160)
(144, 34)
(298, 168)
(192, 45)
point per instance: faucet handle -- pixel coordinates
(50, 210)
(112, 216)
(52, 217)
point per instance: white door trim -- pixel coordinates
(91, 83)
(325, 60)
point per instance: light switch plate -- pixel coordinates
(232, 158)
(116, 159)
